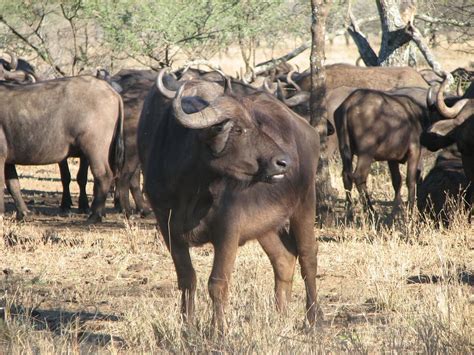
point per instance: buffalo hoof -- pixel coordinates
(24, 216)
(83, 206)
(94, 218)
(145, 212)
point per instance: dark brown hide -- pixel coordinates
(446, 182)
(241, 179)
(135, 86)
(37, 129)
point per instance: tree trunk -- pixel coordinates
(319, 11)
(394, 49)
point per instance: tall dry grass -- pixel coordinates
(404, 286)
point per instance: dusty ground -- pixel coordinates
(66, 287)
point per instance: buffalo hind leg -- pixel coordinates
(394, 167)
(102, 180)
(225, 252)
(66, 201)
(281, 250)
(122, 196)
(302, 230)
(13, 186)
(82, 182)
(360, 179)
(140, 203)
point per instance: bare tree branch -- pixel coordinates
(366, 52)
(417, 37)
(443, 21)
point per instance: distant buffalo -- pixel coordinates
(46, 122)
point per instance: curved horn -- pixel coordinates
(228, 86)
(17, 75)
(266, 87)
(289, 80)
(459, 90)
(13, 61)
(295, 100)
(448, 112)
(161, 86)
(201, 119)
(430, 97)
(31, 78)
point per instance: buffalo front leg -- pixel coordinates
(281, 250)
(13, 186)
(225, 252)
(412, 175)
(66, 201)
(302, 230)
(183, 266)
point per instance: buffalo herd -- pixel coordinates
(225, 162)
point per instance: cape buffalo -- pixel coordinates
(223, 169)
(375, 125)
(458, 127)
(46, 122)
(135, 85)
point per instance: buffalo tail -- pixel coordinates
(117, 152)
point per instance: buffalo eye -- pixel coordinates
(238, 130)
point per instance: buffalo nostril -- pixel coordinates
(281, 163)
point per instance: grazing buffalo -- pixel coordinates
(457, 127)
(223, 169)
(375, 125)
(445, 182)
(46, 122)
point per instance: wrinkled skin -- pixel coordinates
(36, 129)
(378, 126)
(243, 178)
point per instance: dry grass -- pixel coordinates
(398, 287)
(401, 287)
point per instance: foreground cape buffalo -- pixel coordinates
(224, 169)
(46, 122)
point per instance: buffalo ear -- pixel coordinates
(216, 136)
(193, 104)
